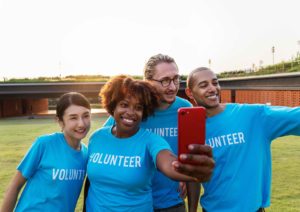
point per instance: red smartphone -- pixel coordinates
(191, 128)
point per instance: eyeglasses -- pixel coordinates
(167, 81)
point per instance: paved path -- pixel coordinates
(94, 111)
(51, 114)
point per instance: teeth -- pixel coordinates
(128, 120)
(212, 97)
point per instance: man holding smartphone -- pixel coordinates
(241, 137)
(162, 72)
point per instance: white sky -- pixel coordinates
(109, 37)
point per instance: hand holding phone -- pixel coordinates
(191, 128)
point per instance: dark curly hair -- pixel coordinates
(118, 87)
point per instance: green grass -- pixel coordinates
(286, 174)
(17, 134)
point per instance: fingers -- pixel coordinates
(201, 170)
(198, 164)
(199, 154)
(202, 160)
(200, 149)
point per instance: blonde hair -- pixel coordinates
(153, 61)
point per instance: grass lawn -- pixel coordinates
(17, 134)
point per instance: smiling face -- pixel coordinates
(129, 101)
(75, 124)
(128, 114)
(165, 71)
(205, 89)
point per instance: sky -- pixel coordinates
(110, 37)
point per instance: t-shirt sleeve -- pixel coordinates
(31, 160)
(156, 145)
(109, 122)
(280, 121)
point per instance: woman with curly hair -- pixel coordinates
(123, 157)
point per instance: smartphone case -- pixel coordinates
(191, 128)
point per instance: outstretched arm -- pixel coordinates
(12, 192)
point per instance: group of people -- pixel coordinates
(131, 162)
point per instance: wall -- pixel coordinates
(34, 106)
(289, 98)
(20, 107)
(12, 107)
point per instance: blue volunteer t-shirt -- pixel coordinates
(241, 140)
(120, 170)
(164, 123)
(54, 172)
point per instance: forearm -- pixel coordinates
(12, 192)
(10, 199)
(193, 193)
